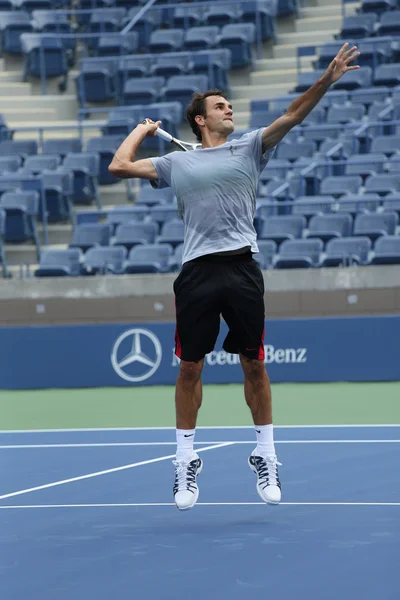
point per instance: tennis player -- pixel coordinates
(216, 186)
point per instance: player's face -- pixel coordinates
(219, 115)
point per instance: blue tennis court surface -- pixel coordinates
(88, 514)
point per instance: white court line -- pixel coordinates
(140, 504)
(77, 429)
(122, 444)
(105, 472)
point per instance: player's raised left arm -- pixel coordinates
(303, 105)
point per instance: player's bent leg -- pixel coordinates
(188, 464)
(262, 461)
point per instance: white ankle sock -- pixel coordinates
(265, 440)
(184, 444)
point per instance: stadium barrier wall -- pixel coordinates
(296, 350)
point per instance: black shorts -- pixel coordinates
(211, 286)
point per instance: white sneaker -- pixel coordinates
(186, 491)
(268, 484)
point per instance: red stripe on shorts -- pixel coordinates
(261, 352)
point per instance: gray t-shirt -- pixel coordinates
(216, 192)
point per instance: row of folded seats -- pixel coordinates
(371, 24)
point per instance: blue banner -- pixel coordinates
(296, 350)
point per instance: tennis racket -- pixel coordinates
(167, 137)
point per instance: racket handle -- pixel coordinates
(164, 135)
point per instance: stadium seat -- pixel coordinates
(55, 61)
(286, 7)
(259, 119)
(307, 79)
(347, 251)
(276, 168)
(171, 64)
(186, 17)
(390, 23)
(312, 205)
(326, 227)
(61, 146)
(377, 6)
(171, 233)
(297, 150)
(266, 17)
(388, 144)
(96, 81)
(150, 196)
(104, 260)
(215, 65)
(129, 67)
(239, 39)
(59, 263)
(126, 214)
(266, 254)
(146, 23)
(359, 78)
(345, 114)
(85, 167)
(166, 40)
(365, 164)
(391, 203)
(104, 20)
(105, 146)
(143, 90)
(282, 228)
(387, 75)
(21, 208)
(58, 188)
(40, 162)
(12, 25)
(359, 26)
(92, 234)
(161, 213)
(131, 234)
(299, 254)
(341, 185)
(368, 96)
(383, 184)
(355, 203)
(327, 52)
(375, 51)
(114, 45)
(3, 257)
(9, 163)
(32, 5)
(180, 88)
(223, 14)
(149, 258)
(375, 225)
(387, 251)
(18, 148)
(201, 38)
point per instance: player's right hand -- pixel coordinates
(151, 126)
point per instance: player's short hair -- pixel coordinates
(197, 106)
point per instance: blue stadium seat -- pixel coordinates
(369, 96)
(299, 254)
(105, 146)
(85, 167)
(357, 203)
(105, 20)
(52, 21)
(122, 120)
(320, 133)
(171, 64)
(307, 79)
(239, 39)
(392, 165)
(266, 16)
(150, 20)
(143, 91)
(353, 80)
(266, 254)
(215, 65)
(387, 251)
(391, 203)
(188, 16)
(9, 163)
(131, 234)
(374, 225)
(377, 6)
(365, 164)
(312, 205)
(96, 81)
(18, 148)
(59, 263)
(296, 150)
(21, 208)
(341, 185)
(201, 38)
(259, 119)
(286, 7)
(326, 227)
(387, 75)
(161, 213)
(180, 88)
(3, 257)
(347, 251)
(222, 14)
(359, 26)
(113, 45)
(61, 146)
(345, 114)
(171, 233)
(92, 234)
(383, 184)
(58, 188)
(104, 260)
(12, 25)
(55, 61)
(316, 116)
(388, 144)
(166, 40)
(276, 168)
(149, 258)
(133, 66)
(282, 228)
(37, 164)
(327, 53)
(390, 23)
(150, 196)
(32, 5)
(126, 214)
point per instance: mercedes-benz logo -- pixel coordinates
(136, 355)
